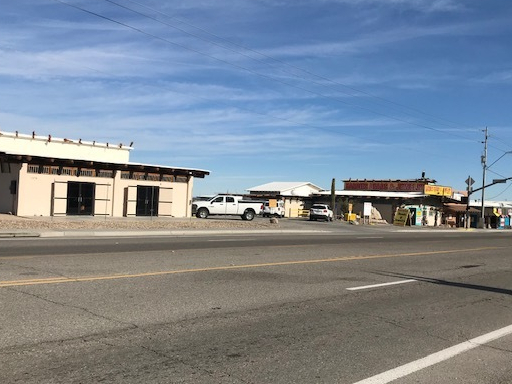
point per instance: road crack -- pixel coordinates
(83, 309)
(38, 270)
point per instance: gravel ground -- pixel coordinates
(10, 222)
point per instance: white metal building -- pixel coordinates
(292, 193)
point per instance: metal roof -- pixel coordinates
(491, 204)
(282, 186)
(375, 194)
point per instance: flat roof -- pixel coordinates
(420, 180)
(129, 166)
(383, 194)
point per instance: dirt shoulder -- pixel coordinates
(10, 222)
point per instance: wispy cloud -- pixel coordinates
(190, 102)
(500, 77)
(372, 41)
(419, 5)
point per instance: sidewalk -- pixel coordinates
(51, 227)
(77, 226)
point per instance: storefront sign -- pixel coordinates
(385, 186)
(438, 190)
(367, 209)
(401, 217)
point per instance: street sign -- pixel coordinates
(470, 181)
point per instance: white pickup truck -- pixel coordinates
(227, 205)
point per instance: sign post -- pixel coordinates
(367, 212)
(467, 219)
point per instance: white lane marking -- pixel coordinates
(370, 237)
(407, 369)
(380, 285)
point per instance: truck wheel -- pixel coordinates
(202, 213)
(248, 215)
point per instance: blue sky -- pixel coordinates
(269, 90)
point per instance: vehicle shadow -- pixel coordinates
(447, 283)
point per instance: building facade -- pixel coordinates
(370, 199)
(45, 176)
(294, 195)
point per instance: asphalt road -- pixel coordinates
(284, 308)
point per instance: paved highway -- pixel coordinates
(349, 305)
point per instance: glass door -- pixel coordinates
(147, 201)
(80, 198)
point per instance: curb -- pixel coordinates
(19, 234)
(55, 234)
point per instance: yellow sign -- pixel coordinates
(272, 203)
(401, 216)
(438, 190)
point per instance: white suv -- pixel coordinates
(277, 211)
(320, 211)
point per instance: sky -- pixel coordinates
(257, 91)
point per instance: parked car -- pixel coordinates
(320, 211)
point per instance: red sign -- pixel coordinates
(385, 186)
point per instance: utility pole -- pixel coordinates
(484, 166)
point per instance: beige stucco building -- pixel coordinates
(46, 176)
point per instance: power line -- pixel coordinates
(256, 73)
(305, 125)
(272, 59)
(501, 142)
(283, 119)
(496, 173)
(502, 192)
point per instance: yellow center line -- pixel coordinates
(58, 280)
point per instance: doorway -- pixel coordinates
(147, 201)
(80, 198)
(412, 216)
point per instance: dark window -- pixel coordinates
(5, 167)
(80, 199)
(13, 187)
(147, 201)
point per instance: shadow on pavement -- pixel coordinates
(448, 283)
